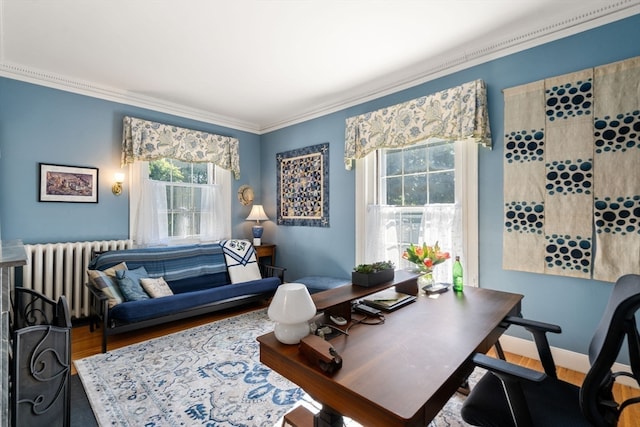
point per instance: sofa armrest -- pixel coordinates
(100, 296)
(272, 271)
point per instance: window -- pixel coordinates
(184, 194)
(411, 178)
(426, 192)
(176, 202)
(418, 175)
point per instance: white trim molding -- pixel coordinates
(563, 358)
(410, 77)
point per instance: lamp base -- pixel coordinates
(257, 230)
(288, 333)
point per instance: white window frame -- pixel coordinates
(466, 190)
(140, 169)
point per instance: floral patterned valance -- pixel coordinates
(459, 114)
(145, 140)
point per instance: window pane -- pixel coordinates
(441, 157)
(415, 159)
(164, 170)
(393, 160)
(441, 187)
(195, 220)
(394, 191)
(410, 226)
(200, 173)
(415, 190)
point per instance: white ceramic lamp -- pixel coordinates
(257, 214)
(291, 308)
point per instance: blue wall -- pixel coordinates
(38, 124)
(576, 304)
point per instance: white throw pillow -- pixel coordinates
(156, 287)
(240, 256)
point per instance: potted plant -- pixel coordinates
(373, 274)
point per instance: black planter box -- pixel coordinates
(372, 279)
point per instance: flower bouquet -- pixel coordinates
(425, 258)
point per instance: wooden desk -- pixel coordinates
(266, 250)
(402, 372)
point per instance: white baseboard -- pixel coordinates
(564, 358)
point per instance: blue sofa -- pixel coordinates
(197, 276)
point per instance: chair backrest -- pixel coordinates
(617, 323)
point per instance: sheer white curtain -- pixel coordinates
(439, 223)
(150, 222)
(442, 223)
(381, 235)
(211, 205)
(149, 211)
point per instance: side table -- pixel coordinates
(266, 250)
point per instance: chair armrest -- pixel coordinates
(502, 368)
(539, 332)
(511, 376)
(533, 324)
(272, 271)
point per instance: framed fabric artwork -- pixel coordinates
(572, 151)
(59, 183)
(303, 186)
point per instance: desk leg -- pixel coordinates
(327, 417)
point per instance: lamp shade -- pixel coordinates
(291, 309)
(257, 214)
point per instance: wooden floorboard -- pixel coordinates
(84, 344)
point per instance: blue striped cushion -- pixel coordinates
(174, 263)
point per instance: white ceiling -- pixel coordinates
(259, 65)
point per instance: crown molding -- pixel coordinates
(443, 66)
(422, 73)
(51, 80)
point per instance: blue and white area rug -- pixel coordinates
(209, 375)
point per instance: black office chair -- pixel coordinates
(511, 395)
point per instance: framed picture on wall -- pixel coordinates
(76, 184)
(303, 186)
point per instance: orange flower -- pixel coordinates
(425, 256)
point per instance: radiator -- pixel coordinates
(55, 269)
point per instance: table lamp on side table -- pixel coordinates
(257, 214)
(291, 308)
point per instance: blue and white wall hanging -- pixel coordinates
(571, 174)
(303, 186)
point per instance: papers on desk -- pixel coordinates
(388, 300)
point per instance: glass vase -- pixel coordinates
(425, 279)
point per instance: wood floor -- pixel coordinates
(84, 344)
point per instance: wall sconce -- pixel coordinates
(116, 188)
(257, 214)
(291, 308)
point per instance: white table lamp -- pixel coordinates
(257, 214)
(291, 308)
